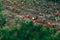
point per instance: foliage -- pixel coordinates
(1, 7)
(29, 31)
(2, 16)
(55, 1)
(2, 19)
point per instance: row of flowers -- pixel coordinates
(14, 10)
(46, 8)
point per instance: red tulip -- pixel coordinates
(52, 25)
(28, 17)
(52, 19)
(15, 6)
(24, 17)
(38, 21)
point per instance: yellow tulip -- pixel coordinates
(33, 18)
(48, 22)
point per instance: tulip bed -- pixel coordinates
(51, 9)
(37, 6)
(28, 30)
(29, 20)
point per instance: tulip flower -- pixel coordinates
(38, 21)
(15, 6)
(8, 0)
(52, 19)
(28, 17)
(24, 17)
(33, 18)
